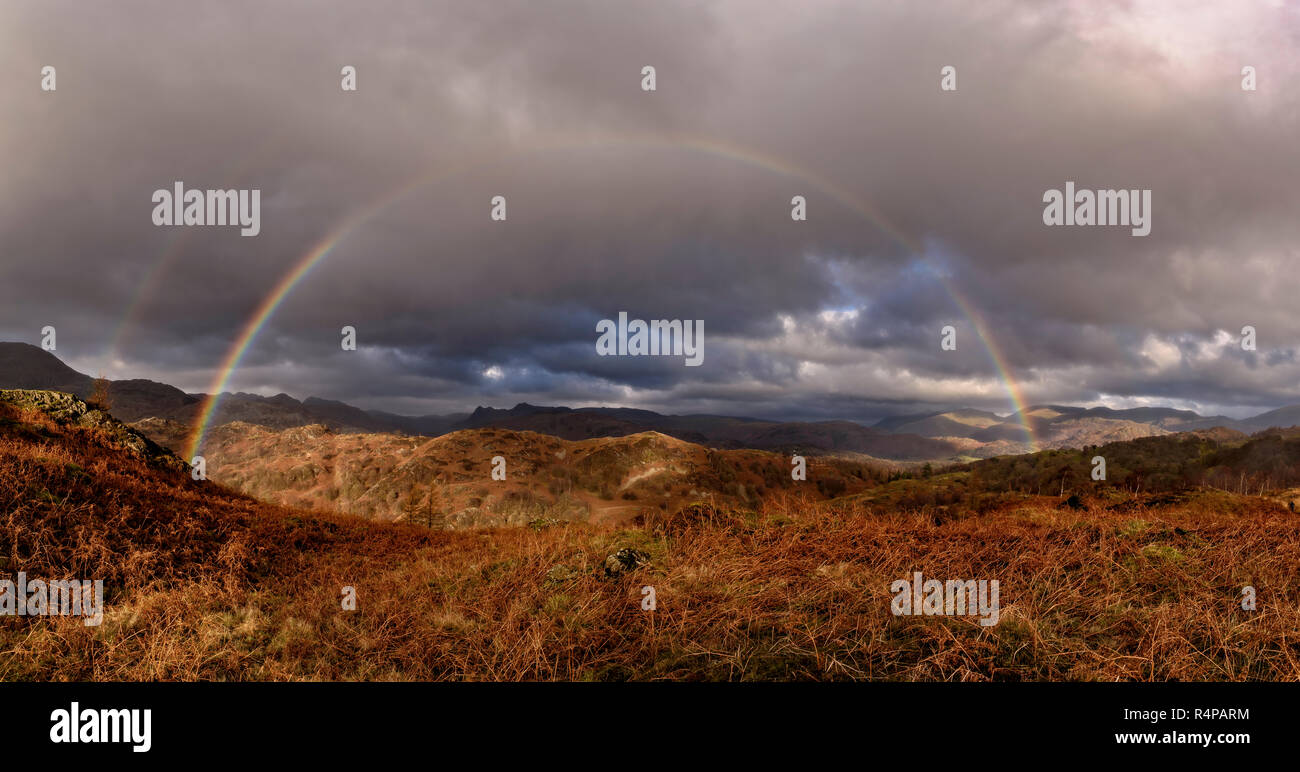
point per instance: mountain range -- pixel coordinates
(937, 436)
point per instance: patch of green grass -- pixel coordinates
(1163, 552)
(556, 605)
(1134, 528)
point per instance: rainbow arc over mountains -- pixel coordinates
(337, 235)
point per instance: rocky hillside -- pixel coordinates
(43, 408)
(448, 480)
(984, 435)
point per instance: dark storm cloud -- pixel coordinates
(667, 205)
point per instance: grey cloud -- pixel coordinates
(673, 204)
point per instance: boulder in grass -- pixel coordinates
(625, 560)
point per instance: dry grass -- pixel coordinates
(206, 584)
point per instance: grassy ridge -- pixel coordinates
(203, 583)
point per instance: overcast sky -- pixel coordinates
(671, 204)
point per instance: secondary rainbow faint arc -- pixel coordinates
(175, 247)
(322, 248)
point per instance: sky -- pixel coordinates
(924, 205)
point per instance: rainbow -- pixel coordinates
(999, 363)
(271, 302)
(325, 246)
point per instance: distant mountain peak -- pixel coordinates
(934, 435)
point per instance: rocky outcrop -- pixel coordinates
(67, 410)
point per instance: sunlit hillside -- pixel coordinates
(205, 583)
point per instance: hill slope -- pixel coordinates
(202, 583)
(449, 478)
